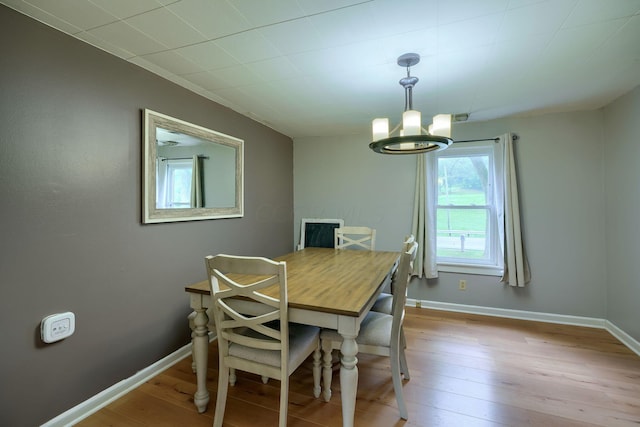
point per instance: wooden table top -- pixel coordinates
(330, 280)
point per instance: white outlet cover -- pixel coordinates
(57, 327)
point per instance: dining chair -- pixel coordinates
(384, 302)
(379, 335)
(254, 333)
(318, 232)
(352, 237)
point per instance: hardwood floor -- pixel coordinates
(466, 371)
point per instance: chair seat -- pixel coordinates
(375, 330)
(384, 303)
(302, 340)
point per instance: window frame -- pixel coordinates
(494, 266)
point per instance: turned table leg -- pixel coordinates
(348, 378)
(200, 348)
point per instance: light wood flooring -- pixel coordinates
(466, 371)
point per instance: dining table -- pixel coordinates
(326, 287)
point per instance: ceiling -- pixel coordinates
(322, 68)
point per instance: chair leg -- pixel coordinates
(404, 368)
(284, 400)
(232, 376)
(221, 400)
(316, 371)
(397, 379)
(326, 369)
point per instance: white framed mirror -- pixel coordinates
(190, 172)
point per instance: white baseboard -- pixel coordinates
(105, 397)
(624, 337)
(591, 322)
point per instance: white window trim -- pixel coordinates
(496, 269)
(483, 270)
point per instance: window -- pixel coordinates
(467, 238)
(174, 184)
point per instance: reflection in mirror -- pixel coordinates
(191, 172)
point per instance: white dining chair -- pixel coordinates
(355, 237)
(379, 335)
(254, 333)
(384, 302)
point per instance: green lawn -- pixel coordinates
(462, 219)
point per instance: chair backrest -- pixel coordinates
(408, 241)
(266, 327)
(350, 237)
(400, 283)
(318, 232)
(406, 245)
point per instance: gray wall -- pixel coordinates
(70, 218)
(622, 189)
(561, 171)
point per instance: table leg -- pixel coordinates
(348, 378)
(200, 348)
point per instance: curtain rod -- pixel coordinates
(514, 137)
(202, 156)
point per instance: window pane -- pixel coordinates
(179, 184)
(463, 180)
(462, 233)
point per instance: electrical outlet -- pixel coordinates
(462, 285)
(57, 326)
(418, 304)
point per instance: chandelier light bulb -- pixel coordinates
(411, 122)
(441, 125)
(380, 129)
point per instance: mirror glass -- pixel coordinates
(190, 172)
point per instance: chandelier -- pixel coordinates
(412, 138)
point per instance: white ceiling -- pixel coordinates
(318, 68)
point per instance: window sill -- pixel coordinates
(484, 270)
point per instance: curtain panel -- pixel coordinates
(516, 265)
(196, 182)
(424, 216)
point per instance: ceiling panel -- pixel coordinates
(126, 8)
(166, 27)
(212, 18)
(261, 13)
(208, 55)
(124, 36)
(249, 46)
(591, 11)
(81, 14)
